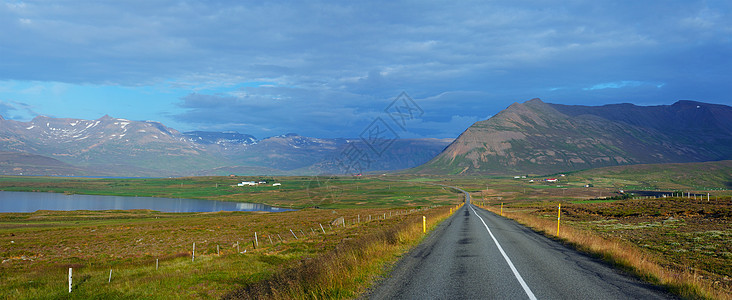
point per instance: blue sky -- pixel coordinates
(328, 69)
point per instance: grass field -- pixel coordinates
(295, 192)
(686, 237)
(37, 249)
(683, 243)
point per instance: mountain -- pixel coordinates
(220, 138)
(118, 147)
(294, 154)
(107, 145)
(285, 152)
(540, 138)
(15, 163)
(402, 154)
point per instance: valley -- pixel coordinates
(625, 186)
(359, 150)
(671, 233)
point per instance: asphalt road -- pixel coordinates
(476, 254)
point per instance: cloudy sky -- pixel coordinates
(328, 69)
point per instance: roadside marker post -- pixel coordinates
(110, 275)
(256, 241)
(559, 214)
(193, 255)
(424, 224)
(69, 280)
(501, 209)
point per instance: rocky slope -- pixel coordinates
(539, 138)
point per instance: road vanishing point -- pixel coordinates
(476, 254)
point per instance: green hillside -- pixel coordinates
(698, 176)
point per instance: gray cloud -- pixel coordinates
(6, 109)
(14, 110)
(335, 65)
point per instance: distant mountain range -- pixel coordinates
(119, 147)
(526, 138)
(540, 138)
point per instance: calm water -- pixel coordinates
(30, 202)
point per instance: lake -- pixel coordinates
(30, 202)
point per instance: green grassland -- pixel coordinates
(295, 192)
(715, 175)
(36, 249)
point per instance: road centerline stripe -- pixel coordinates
(505, 256)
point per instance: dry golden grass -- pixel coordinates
(37, 248)
(349, 267)
(625, 255)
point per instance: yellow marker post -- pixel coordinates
(424, 224)
(559, 214)
(501, 209)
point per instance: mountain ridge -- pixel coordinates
(111, 146)
(543, 138)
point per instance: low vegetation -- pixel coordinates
(150, 254)
(294, 192)
(682, 243)
(38, 248)
(345, 269)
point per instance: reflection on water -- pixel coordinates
(30, 202)
(258, 207)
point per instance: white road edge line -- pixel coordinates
(508, 260)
